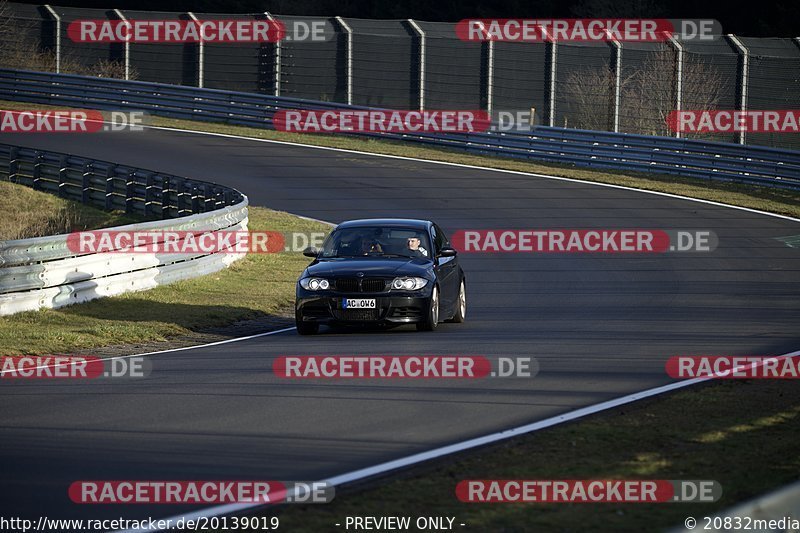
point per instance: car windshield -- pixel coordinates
(377, 241)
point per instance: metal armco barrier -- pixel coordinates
(44, 272)
(770, 167)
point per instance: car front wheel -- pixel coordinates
(432, 319)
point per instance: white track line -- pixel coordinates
(216, 343)
(404, 462)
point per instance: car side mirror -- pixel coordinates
(448, 252)
(311, 252)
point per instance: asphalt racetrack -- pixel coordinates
(600, 326)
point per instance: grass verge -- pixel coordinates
(259, 285)
(753, 197)
(741, 434)
(28, 213)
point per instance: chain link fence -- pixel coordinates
(408, 64)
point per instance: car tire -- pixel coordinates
(432, 318)
(305, 328)
(461, 305)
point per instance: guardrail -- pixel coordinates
(756, 165)
(45, 272)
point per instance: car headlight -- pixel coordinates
(315, 284)
(409, 284)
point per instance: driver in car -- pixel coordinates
(414, 246)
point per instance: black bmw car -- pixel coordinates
(382, 271)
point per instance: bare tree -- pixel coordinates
(647, 94)
(652, 95)
(20, 48)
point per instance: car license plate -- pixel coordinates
(358, 303)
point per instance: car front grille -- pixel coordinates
(356, 315)
(373, 285)
(361, 285)
(347, 284)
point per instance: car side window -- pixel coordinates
(439, 238)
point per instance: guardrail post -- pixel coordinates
(13, 165)
(86, 182)
(745, 74)
(130, 190)
(149, 186)
(109, 187)
(678, 78)
(551, 77)
(349, 33)
(62, 176)
(617, 48)
(37, 171)
(184, 198)
(57, 18)
(422, 43)
(166, 197)
(126, 47)
(201, 60)
(277, 60)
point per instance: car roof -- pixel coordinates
(387, 222)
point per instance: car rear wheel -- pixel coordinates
(461, 305)
(432, 319)
(305, 328)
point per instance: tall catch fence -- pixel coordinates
(409, 64)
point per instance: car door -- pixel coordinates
(446, 270)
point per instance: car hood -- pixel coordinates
(371, 267)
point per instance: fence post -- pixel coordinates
(422, 43)
(678, 78)
(617, 47)
(349, 32)
(201, 60)
(126, 47)
(58, 36)
(277, 59)
(551, 75)
(745, 55)
(489, 71)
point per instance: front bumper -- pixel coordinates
(390, 308)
